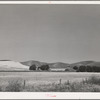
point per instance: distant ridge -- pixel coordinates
(51, 65)
(31, 62)
(82, 63)
(61, 64)
(14, 65)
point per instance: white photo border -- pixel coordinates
(49, 95)
(49, 2)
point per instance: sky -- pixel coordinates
(50, 33)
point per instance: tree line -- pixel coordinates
(87, 68)
(82, 68)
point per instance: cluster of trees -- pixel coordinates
(87, 68)
(42, 67)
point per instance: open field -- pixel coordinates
(44, 77)
(49, 82)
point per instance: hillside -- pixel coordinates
(61, 64)
(82, 63)
(94, 64)
(51, 65)
(58, 65)
(7, 65)
(31, 62)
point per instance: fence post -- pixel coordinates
(60, 81)
(24, 84)
(60, 84)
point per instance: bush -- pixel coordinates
(93, 80)
(33, 67)
(67, 70)
(14, 86)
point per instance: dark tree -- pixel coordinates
(75, 67)
(82, 69)
(44, 67)
(32, 67)
(89, 69)
(96, 69)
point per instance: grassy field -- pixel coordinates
(47, 81)
(44, 77)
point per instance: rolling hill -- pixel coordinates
(61, 65)
(8, 65)
(58, 65)
(82, 63)
(94, 64)
(51, 65)
(31, 62)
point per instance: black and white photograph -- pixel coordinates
(49, 48)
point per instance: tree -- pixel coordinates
(44, 67)
(82, 69)
(75, 67)
(32, 67)
(96, 69)
(89, 69)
